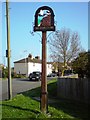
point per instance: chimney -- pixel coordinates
(37, 57)
(30, 56)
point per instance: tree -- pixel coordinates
(64, 46)
(81, 64)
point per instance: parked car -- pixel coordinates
(30, 75)
(35, 76)
(52, 75)
(68, 72)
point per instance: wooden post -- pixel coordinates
(8, 53)
(44, 76)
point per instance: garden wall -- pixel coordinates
(73, 89)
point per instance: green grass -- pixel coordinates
(3, 78)
(52, 90)
(24, 106)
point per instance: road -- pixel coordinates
(18, 86)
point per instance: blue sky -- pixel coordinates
(72, 15)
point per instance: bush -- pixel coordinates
(18, 75)
(81, 65)
(4, 72)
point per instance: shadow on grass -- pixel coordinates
(73, 108)
(20, 108)
(32, 93)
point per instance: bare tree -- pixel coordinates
(64, 46)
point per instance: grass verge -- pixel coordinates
(24, 106)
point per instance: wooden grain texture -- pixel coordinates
(73, 89)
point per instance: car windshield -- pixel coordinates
(36, 73)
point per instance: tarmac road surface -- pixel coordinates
(18, 85)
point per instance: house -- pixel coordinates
(28, 65)
(1, 70)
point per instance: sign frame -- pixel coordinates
(44, 28)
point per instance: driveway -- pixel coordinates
(18, 86)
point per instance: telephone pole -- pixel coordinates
(8, 52)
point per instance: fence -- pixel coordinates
(73, 88)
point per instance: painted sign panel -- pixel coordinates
(44, 19)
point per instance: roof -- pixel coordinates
(1, 65)
(27, 60)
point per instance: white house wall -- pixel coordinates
(20, 68)
(49, 69)
(33, 67)
(37, 67)
(27, 68)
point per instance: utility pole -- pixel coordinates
(8, 52)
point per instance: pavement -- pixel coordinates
(18, 86)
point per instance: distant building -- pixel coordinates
(1, 66)
(28, 65)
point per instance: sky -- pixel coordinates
(72, 15)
